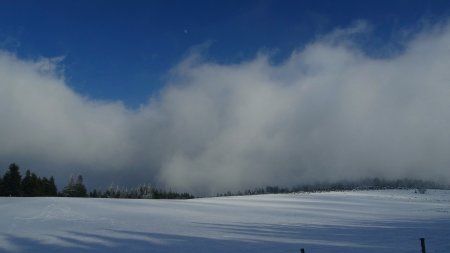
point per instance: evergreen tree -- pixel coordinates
(11, 181)
(69, 189)
(31, 185)
(45, 185)
(80, 189)
(1, 187)
(27, 185)
(94, 194)
(36, 185)
(75, 188)
(52, 190)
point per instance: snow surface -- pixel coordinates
(359, 221)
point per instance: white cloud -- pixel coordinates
(328, 112)
(43, 119)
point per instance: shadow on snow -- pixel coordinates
(375, 237)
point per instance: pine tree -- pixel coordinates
(27, 185)
(45, 186)
(68, 190)
(11, 181)
(75, 188)
(80, 189)
(36, 185)
(94, 194)
(52, 190)
(1, 187)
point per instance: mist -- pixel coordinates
(330, 111)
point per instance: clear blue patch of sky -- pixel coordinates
(121, 50)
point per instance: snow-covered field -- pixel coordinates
(361, 221)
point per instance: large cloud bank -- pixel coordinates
(328, 112)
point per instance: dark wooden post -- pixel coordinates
(422, 244)
(302, 250)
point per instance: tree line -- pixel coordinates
(14, 185)
(140, 192)
(344, 185)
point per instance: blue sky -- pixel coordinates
(122, 50)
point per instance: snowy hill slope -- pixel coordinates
(365, 221)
